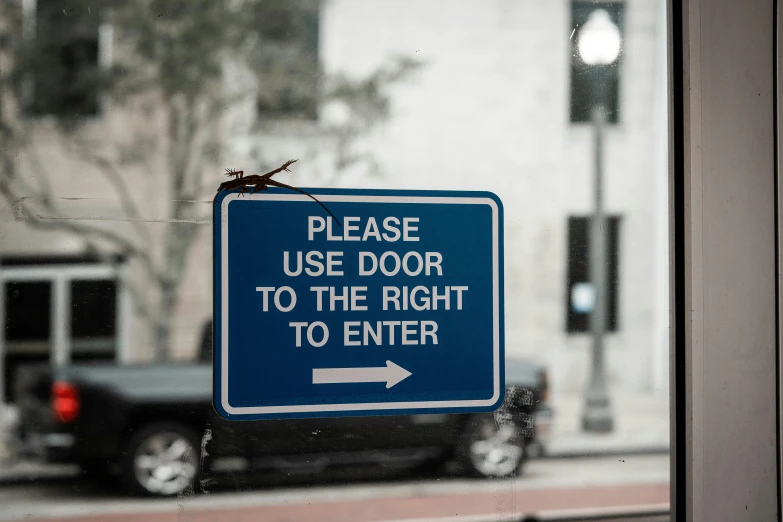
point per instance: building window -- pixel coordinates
(584, 78)
(27, 330)
(288, 61)
(64, 59)
(57, 309)
(93, 320)
(578, 274)
(28, 316)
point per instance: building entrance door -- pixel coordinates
(60, 313)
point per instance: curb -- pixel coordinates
(21, 473)
(574, 453)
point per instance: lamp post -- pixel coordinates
(598, 44)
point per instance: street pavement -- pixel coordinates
(547, 487)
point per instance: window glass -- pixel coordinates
(63, 59)
(27, 331)
(118, 123)
(288, 85)
(580, 295)
(28, 307)
(93, 319)
(587, 78)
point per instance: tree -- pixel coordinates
(170, 72)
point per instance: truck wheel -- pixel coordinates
(161, 459)
(491, 449)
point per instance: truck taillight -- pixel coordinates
(65, 402)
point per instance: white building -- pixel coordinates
(491, 109)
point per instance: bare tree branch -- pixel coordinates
(39, 172)
(117, 181)
(183, 62)
(24, 211)
(205, 142)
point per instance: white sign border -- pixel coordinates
(323, 408)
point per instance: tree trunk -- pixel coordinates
(164, 320)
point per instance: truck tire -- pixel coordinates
(491, 449)
(161, 459)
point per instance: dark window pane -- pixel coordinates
(579, 271)
(93, 317)
(65, 59)
(27, 311)
(27, 330)
(584, 78)
(289, 61)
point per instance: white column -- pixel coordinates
(124, 316)
(660, 347)
(61, 320)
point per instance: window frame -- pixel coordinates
(60, 276)
(725, 262)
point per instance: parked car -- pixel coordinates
(155, 427)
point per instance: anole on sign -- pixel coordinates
(262, 182)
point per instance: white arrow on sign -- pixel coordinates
(391, 374)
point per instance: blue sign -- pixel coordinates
(395, 306)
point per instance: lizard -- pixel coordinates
(262, 182)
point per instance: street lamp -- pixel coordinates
(599, 45)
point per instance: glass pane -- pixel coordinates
(119, 122)
(93, 320)
(28, 308)
(27, 330)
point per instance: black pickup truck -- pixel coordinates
(155, 427)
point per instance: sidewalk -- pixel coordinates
(641, 426)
